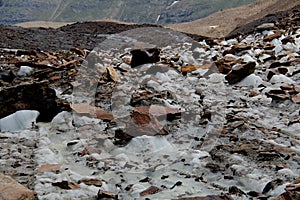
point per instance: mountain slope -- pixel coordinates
(137, 11)
(223, 22)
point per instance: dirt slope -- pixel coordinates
(222, 23)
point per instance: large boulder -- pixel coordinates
(11, 189)
(32, 96)
(143, 56)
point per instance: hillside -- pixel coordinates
(137, 11)
(223, 22)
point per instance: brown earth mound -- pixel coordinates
(223, 22)
(83, 35)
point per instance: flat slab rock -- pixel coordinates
(11, 189)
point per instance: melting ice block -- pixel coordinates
(19, 120)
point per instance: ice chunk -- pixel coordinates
(19, 120)
(24, 71)
(251, 80)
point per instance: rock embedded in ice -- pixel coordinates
(18, 121)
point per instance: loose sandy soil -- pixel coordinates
(222, 23)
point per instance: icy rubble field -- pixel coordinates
(177, 162)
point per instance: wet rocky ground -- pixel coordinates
(149, 113)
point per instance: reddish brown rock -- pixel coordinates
(92, 111)
(11, 189)
(190, 68)
(292, 191)
(106, 195)
(238, 73)
(66, 185)
(272, 36)
(87, 181)
(49, 168)
(90, 150)
(151, 190)
(144, 120)
(296, 99)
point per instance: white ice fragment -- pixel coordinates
(290, 47)
(25, 71)
(153, 84)
(287, 172)
(232, 41)
(278, 49)
(62, 117)
(216, 78)
(251, 81)
(281, 79)
(248, 58)
(147, 144)
(19, 120)
(199, 50)
(224, 43)
(276, 42)
(200, 154)
(162, 77)
(239, 170)
(84, 120)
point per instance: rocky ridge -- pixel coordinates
(158, 115)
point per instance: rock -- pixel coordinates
(32, 96)
(151, 190)
(92, 111)
(238, 73)
(235, 190)
(122, 137)
(88, 181)
(277, 94)
(296, 99)
(7, 76)
(106, 195)
(223, 67)
(143, 122)
(18, 121)
(272, 185)
(90, 150)
(66, 185)
(265, 26)
(24, 71)
(190, 68)
(292, 191)
(144, 56)
(272, 36)
(11, 189)
(210, 197)
(113, 74)
(50, 168)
